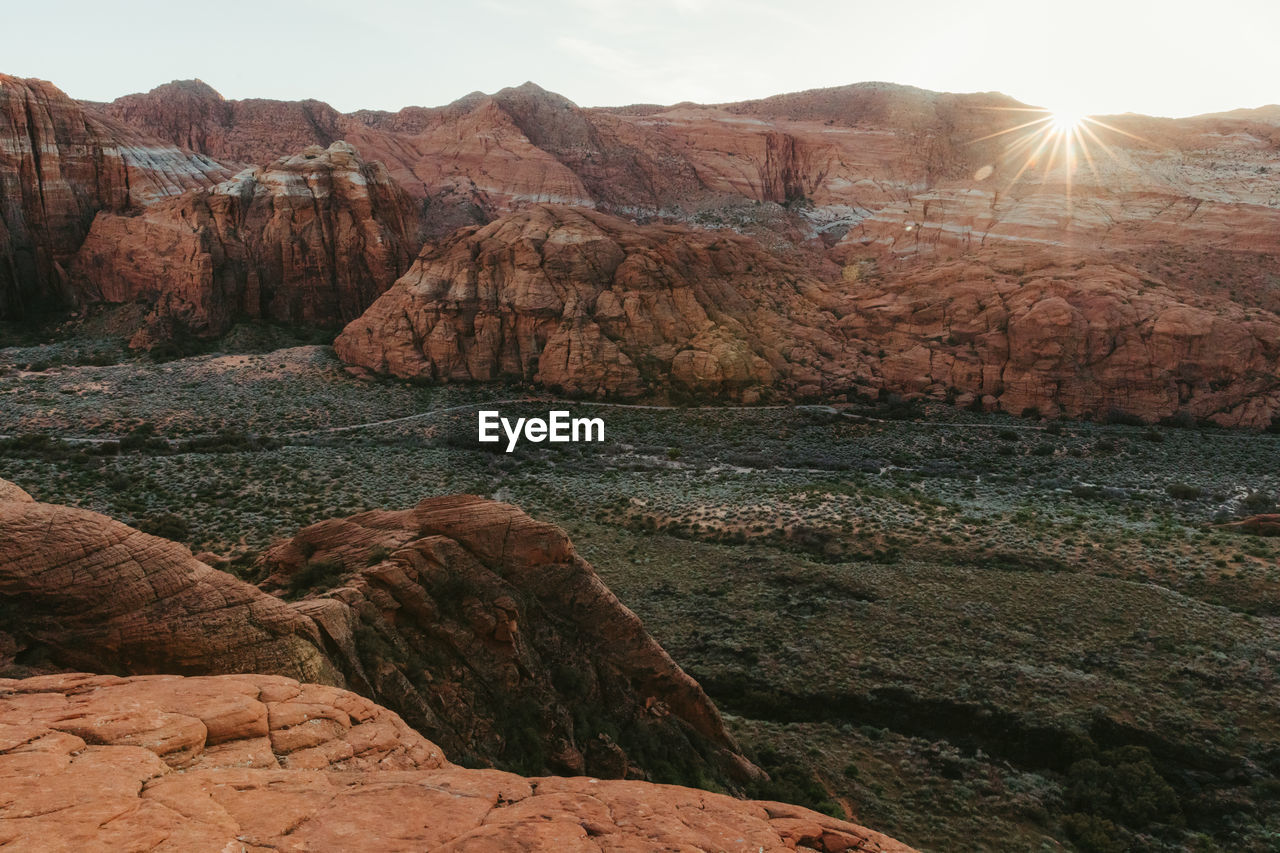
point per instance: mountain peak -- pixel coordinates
(195, 87)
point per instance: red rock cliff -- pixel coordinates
(584, 302)
(58, 167)
(312, 239)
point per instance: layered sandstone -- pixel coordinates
(82, 591)
(905, 170)
(920, 196)
(480, 626)
(59, 166)
(311, 239)
(260, 763)
(584, 302)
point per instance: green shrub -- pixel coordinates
(1183, 491)
(1257, 502)
(316, 574)
(168, 526)
(1094, 834)
(1123, 786)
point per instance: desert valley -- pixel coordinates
(936, 506)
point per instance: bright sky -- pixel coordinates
(1161, 57)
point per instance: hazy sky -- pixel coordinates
(1093, 56)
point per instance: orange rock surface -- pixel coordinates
(256, 763)
(192, 115)
(99, 595)
(480, 626)
(312, 239)
(520, 636)
(1037, 329)
(1161, 239)
(902, 168)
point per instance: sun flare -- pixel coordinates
(1065, 122)
(1050, 142)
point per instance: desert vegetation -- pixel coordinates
(973, 631)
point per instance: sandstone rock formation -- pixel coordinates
(919, 196)
(583, 302)
(260, 763)
(312, 239)
(896, 165)
(1034, 329)
(524, 649)
(81, 591)
(480, 626)
(58, 167)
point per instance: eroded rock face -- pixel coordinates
(580, 301)
(584, 302)
(921, 186)
(479, 625)
(81, 591)
(1043, 330)
(260, 763)
(58, 167)
(312, 239)
(523, 645)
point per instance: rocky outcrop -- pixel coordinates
(525, 647)
(524, 644)
(479, 625)
(264, 763)
(908, 190)
(1267, 524)
(58, 167)
(312, 239)
(81, 591)
(1036, 330)
(906, 170)
(583, 302)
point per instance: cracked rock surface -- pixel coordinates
(480, 626)
(254, 763)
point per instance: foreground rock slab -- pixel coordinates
(255, 763)
(481, 626)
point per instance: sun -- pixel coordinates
(1053, 141)
(1065, 122)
